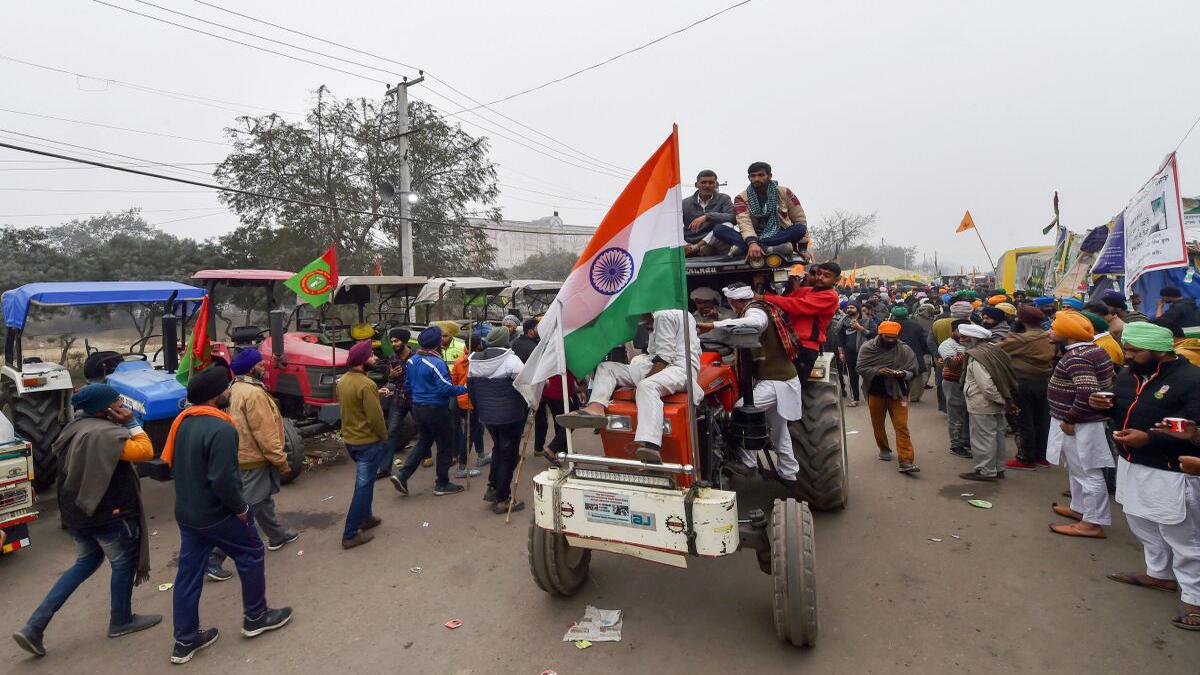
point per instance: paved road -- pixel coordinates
(1008, 596)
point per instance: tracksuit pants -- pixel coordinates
(239, 541)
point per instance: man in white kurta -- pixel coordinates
(657, 373)
(774, 390)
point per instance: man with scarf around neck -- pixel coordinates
(1161, 502)
(888, 367)
(767, 214)
(776, 386)
(913, 335)
(211, 511)
(989, 388)
(1077, 429)
(100, 502)
(954, 361)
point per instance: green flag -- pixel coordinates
(315, 283)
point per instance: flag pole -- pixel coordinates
(985, 249)
(681, 285)
(562, 372)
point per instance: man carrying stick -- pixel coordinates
(501, 409)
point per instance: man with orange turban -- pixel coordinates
(888, 367)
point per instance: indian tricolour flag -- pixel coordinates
(631, 266)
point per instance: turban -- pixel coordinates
(844, 304)
(1030, 316)
(927, 311)
(1008, 308)
(510, 320)
(899, 312)
(360, 353)
(1073, 303)
(401, 334)
(94, 398)
(498, 337)
(960, 310)
(994, 313)
(738, 292)
(1073, 326)
(976, 304)
(922, 294)
(245, 361)
(448, 328)
(1098, 323)
(430, 337)
(1148, 336)
(705, 293)
(207, 384)
(946, 297)
(997, 299)
(1044, 301)
(889, 328)
(974, 331)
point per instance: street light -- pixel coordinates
(388, 192)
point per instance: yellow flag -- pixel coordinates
(968, 223)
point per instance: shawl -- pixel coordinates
(787, 336)
(997, 364)
(873, 357)
(168, 453)
(768, 209)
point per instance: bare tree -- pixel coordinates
(839, 231)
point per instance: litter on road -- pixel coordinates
(166, 587)
(597, 625)
(935, 540)
(980, 503)
(325, 499)
(967, 494)
(582, 644)
(453, 623)
(415, 570)
(300, 552)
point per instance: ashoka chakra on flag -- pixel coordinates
(612, 270)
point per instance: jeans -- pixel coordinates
(366, 465)
(399, 428)
(239, 541)
(506, 448)
(434, 425)
(116, 541)
(463, 435)
(1033, 422)
(730, 234)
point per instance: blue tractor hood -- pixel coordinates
(151, 394)
(16, 301)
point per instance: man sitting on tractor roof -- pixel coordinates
(655, 374)
(767, 214)
(776, 386)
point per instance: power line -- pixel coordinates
(551, 194)
(109, 126)
(100, 213)
(91, 190)
(1185, 136)
(250, 193)
(103, 152)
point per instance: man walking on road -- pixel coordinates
(989, 387)
(429, 382)
(400, 404)
(1032, 355)
(888, 367)
(954, 362)
(1077, 430)
(202, 448)
(100, 501)
(365, 434)
(502, 409)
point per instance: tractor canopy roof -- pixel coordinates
(382, 281)
(16, 301)
(436, 287)
(532, 286)
(244, 277)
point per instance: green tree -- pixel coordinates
(337, 156)
(549, 266)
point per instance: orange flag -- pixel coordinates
(968, 223)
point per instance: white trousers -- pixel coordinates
(781, 437)
(1173, 551)
(1089, 491)
(650, 390)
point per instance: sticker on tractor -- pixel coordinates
(611, 508)
(567, 509)
(675, 524)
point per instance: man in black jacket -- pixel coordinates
(211, 512)
(1161, 503)
(1182, 311)
(914, 335)
(101, 506)
(524, 344)
(502, 410)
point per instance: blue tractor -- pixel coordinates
(35, 394)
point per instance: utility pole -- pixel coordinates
(400, 91)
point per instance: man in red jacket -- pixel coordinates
(810, 309)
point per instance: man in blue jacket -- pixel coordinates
(429, 382)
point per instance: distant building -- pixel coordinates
(520, 239)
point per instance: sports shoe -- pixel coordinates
(489, 495)
(217, 573)
(501, 508)
(400, 482)
(962, 452)
(466, 473)
(185, 651)
(371, 523)
(909, 467)
(852, 404)
(30, 640)
(447, 489)
(357, 540)
(1020, 465)
(427, 462)
(885, 455)
(1042, 462)
(287, 539)
(136, 623)
(270, 620)
(484, 460)
(975, 475)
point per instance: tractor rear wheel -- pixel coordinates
(793, 572)
(558, 568)
(819, 443)
(38, 418)
(293, 447)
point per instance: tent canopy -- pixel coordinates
(887, 273)
(16, 301)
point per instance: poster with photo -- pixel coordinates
(1153, 223)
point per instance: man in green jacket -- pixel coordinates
(365, 432)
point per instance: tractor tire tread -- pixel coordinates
(36, 418)
(820, 448)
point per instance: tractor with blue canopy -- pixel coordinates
(35, 394)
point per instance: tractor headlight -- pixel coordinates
(628, 478)
(775, 260)
(619, 423)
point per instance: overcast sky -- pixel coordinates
(916, 110)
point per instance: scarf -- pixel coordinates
(168, 453)
(768, 209)
(997, 364)
(787, 337)
(89, 450)
(873, 357)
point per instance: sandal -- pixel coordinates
(1188, 621)
(1133, 580)
(1073, 531)
(1065, 511)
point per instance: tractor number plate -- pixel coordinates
(611, 508)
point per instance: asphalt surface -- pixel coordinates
(1005, 595)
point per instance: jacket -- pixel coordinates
(429, 380)
(523, 346)
(362, 415)
(208, 487)
(983, 397)
(259, 425)
(81, 502)
(458, 375)
(490, 386)
(1083, 370)
(1032, 354)
(852, 340)
(1174, 391)
(1183, 313)
(719, 209)
(913, 335)
(790, 213)
(809, 311)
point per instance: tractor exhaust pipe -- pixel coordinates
(170, 342)
(276, 320)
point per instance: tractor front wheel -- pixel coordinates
(819, 443)
(38, 418)
(558, 568)
(793, 572)
(293, 447)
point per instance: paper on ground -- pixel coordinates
(597, 625)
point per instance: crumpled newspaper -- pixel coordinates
(597, 625)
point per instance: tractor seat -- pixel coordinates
(244, 335)
(708, 375)
(100, 365)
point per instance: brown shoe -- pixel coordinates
(649, 455)
(371, 523)
(501, 508)
(357, 540)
